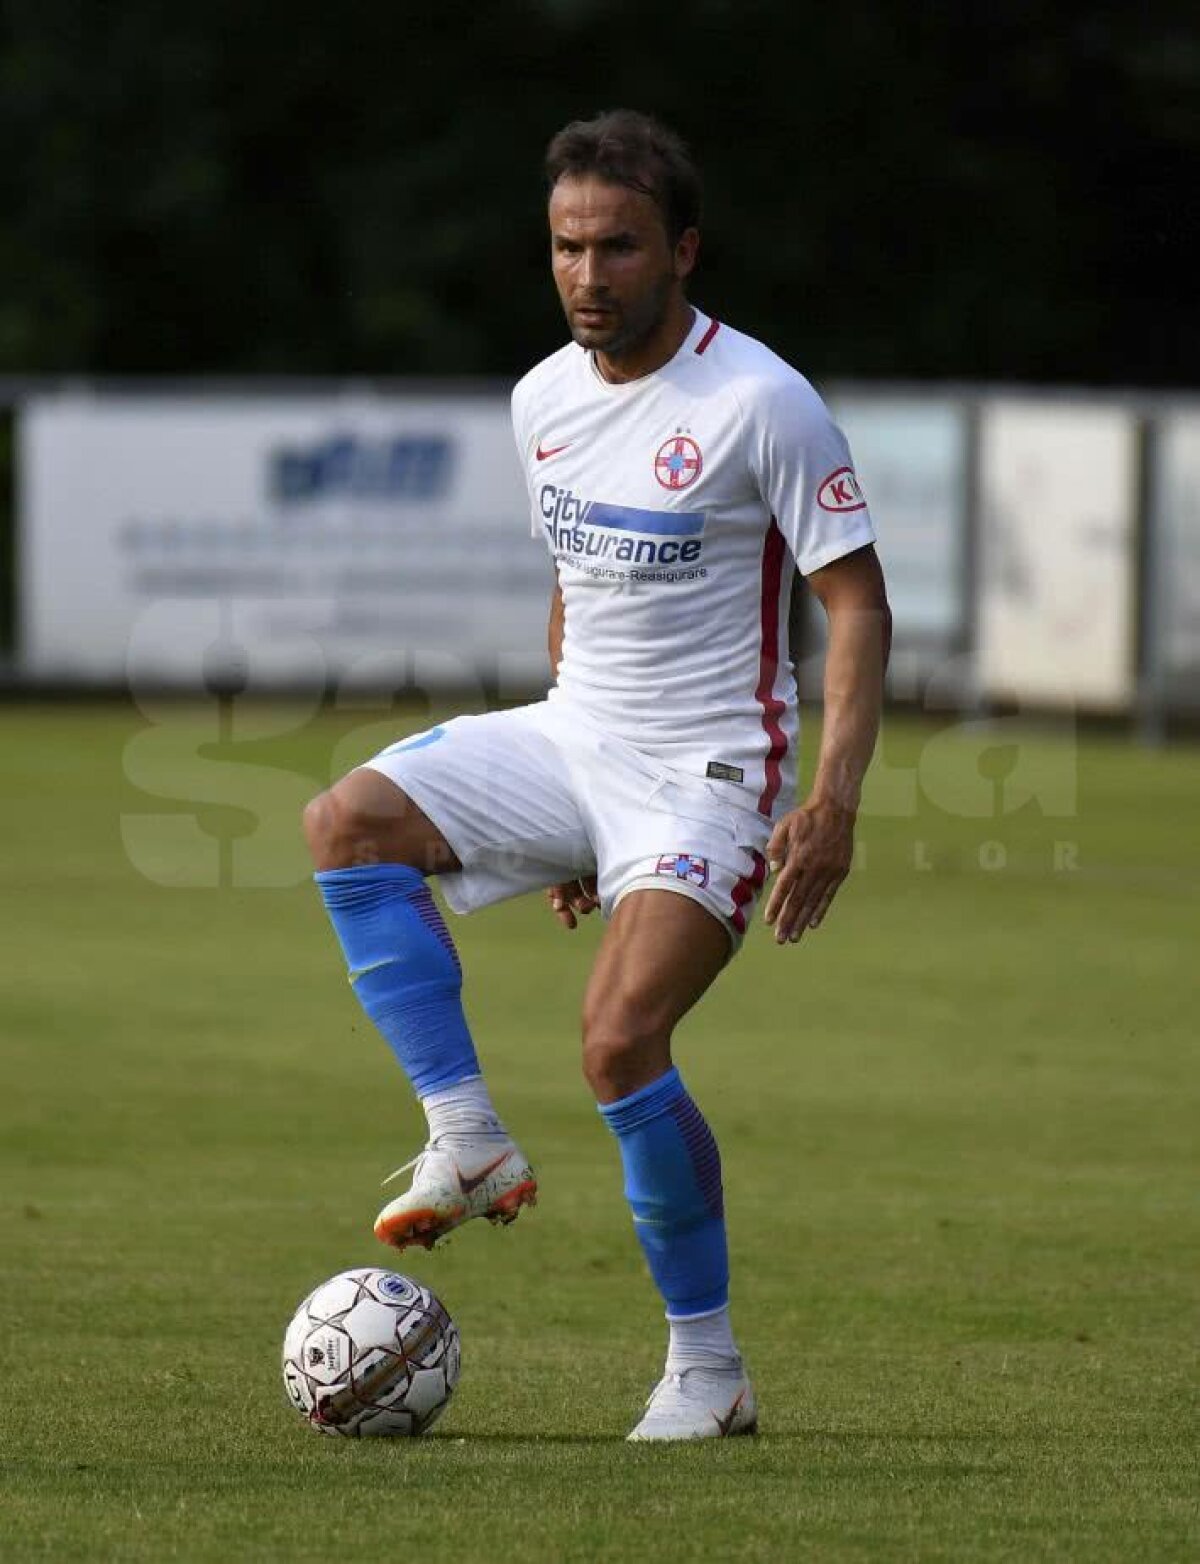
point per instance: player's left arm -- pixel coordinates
(812, 847)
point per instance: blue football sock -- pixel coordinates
(673, 1185)
(404, 969)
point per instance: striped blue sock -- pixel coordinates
(404, 969)
(673, 1185)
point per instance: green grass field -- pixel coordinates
(959, 1125)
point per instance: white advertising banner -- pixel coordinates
(1175, 606)
(294, 538)
(1057, 553)
(910, 455)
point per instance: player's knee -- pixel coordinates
(338, 836)
(320, 829)
(622, 1049)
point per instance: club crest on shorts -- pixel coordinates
(683, 866)
(678, 462)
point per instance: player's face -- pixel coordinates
(617, 273)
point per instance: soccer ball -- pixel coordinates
(371, 1353)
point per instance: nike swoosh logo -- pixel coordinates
(468, 1184)
(726, 1423)
(553, 451)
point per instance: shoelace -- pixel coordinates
(413, 1162)
(672, 1379)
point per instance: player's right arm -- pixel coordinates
(572, 899)
(554, 630)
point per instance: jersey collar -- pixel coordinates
(700, 324)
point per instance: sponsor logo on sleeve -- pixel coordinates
(841, 491)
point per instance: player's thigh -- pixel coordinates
(659, 953)
(498, 792)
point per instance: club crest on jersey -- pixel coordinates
(678, 462)
(841, 491)
(683, 866)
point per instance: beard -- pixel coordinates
(631, 325)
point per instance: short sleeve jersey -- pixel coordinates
(678, 508)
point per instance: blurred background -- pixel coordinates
(268, 275)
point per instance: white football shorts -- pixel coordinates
(536, 795)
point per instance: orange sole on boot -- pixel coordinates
(423, 1227)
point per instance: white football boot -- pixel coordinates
(485, 1175)
(699, 1403)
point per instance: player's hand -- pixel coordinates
(810, 852)
(572, 898)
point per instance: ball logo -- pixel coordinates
(841, 491)
(395, 1287)
(678, 463)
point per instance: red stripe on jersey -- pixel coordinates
(768, 665)
(713, 327)
(746, 889)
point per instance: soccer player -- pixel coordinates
(681, 475)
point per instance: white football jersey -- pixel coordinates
(678, 508)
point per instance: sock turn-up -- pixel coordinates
(405, 970)
(463, 1112)
(703, 1341)
(673, 1185)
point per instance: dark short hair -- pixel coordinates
(632, 149)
